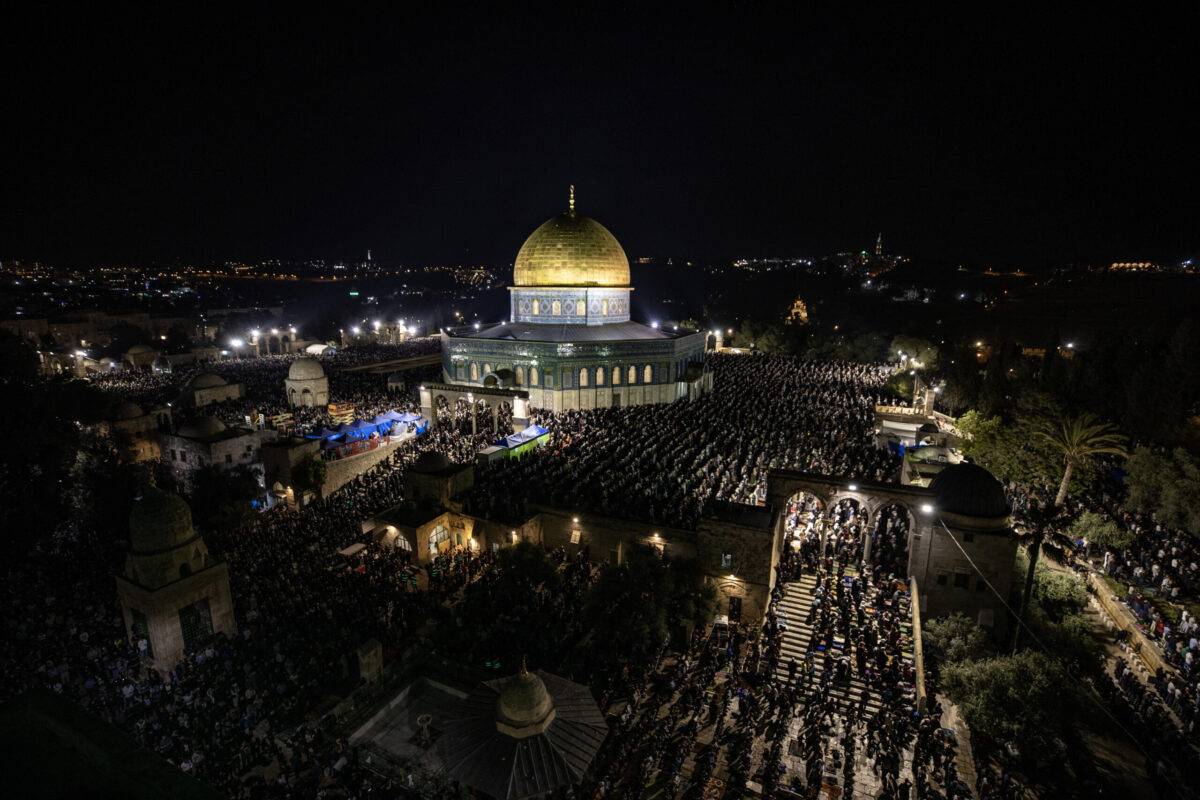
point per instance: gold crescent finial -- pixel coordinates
(524, 670)
(571, 199)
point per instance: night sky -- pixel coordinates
(246, 135)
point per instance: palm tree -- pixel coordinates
(1078, 441)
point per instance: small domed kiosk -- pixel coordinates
(306, 384)
(528, 735)
(174, 595)
(963, 561)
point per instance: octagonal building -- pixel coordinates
(569, 341)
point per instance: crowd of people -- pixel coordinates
(233, 712)
(1158, 570)
(665, 463)
(223, 712)
(262, 380)
(721, 713)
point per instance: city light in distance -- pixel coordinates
(926, 508)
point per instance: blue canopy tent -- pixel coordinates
(527, 435)
(359, 429)
(326, 433)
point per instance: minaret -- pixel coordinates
(571, 199)
(879, 245)
(368, 255)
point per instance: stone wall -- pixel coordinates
(740, 561)
(949, 581)
(341, 471)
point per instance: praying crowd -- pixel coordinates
(838, 684)
(822, 694)
(664, 463)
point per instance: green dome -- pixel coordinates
(159, 521)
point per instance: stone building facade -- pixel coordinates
(173, 594)
(306, 385)
(207, 441)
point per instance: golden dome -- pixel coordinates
(571, 250)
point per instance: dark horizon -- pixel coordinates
(1027, 143)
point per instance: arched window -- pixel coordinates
(616, 376)
(533, 376)
(537, 306)
(474, 371)
(487, 369)
(604, 307)
(580, 307)
(599, 376)
(519, 374)
(632, 378)
(556, 308)
(647, 374)
(583, 378)
(549, 379)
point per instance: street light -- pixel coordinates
(926, 508)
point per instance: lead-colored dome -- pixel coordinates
(523, 701)
(206, 380)
(571, 250)
(201, 428)
(305, 369)
(159, 521)
(970, 490)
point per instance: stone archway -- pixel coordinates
(783, 484)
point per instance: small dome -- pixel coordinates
(201, 428)
(159, 521)
(127, 410)
(431, 461)
(523, 700)
(305, 369)
(139, 349)
(571, 250)
(970, 490)
(929, 427)
(206, 380)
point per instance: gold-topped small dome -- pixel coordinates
(571, 250)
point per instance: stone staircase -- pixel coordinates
(795, 604)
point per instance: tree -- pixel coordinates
(221, 498)
(309, 473)
(1078, 441)
(178, 340)
(1100, 532)
(922, 351)
(955, 638)
(1166, 485)
(1025, 701)
(633, 607)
